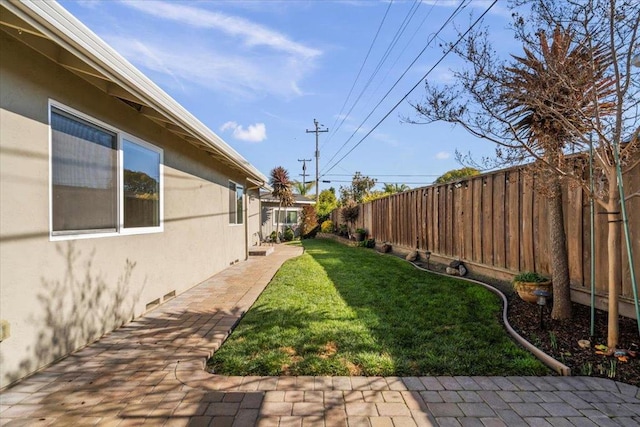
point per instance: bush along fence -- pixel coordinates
(497, 224)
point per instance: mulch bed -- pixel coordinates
(560, 340)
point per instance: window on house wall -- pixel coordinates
(289, 217)
(102, 181)
(236, 203)
(141, 185)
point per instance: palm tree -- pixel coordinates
(281, 185)
(302, 188)
(395, 188)
(551, 99)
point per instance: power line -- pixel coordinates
(358, 76)
(385, 55)
(394, 182)
(453, 14)
(385, 175)
(414, 86)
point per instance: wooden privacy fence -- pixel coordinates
(497, 221)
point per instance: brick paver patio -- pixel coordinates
(151, 371)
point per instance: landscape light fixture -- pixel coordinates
(542, 301)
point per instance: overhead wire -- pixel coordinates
(458, 9)
(433, 5)
(451, 47)
(358, 75)
(407, 19)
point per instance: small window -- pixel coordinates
(288, 217)
(236, 203)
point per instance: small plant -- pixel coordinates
(530, 277)
(288, 235)
(535, 340)
(368, 243)
(586, 369)
(613, 365)
(273, 236)
(327, 226)
(361, 231)
(554, 340)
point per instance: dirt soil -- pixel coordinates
(560, 339)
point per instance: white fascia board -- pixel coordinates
(63, 28)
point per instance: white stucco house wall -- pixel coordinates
(113, 197)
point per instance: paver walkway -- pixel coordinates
(151, 372)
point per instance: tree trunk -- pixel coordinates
(559, 257)
(278, 223)
(614, 261)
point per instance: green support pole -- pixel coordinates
(593, 241)
(625, 225)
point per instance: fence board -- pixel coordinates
(487, 220)
(499, 239)
(467, 220)
(436, 220)
(512, 208)
(477, 220)
(632, 195)
(573, 225)
(526, 240)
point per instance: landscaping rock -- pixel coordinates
(462, 270)
(455, 264)
(453, 271)
(412, 256)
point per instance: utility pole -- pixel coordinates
(317, 130)
(304, 173)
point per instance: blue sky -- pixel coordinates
(259, 72)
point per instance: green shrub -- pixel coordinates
(530, 277)
(273, 235)
(327, 226)
(288, 235)
(368, 243)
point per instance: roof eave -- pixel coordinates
(57, 24)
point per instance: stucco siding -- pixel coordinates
(58, 295)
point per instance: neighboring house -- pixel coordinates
(289, 215)
(113, 197)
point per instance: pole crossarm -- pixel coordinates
(317, 130)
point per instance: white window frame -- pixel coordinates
(284, 211)
(235, 205)
(120, 137)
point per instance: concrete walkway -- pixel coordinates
(151, 372)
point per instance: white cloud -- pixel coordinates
(222, 52)
(253, 133)
(442, 155)
(253, 34)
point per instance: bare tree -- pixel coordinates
(547, 103)
(281, 184)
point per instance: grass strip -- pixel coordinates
(338, 310)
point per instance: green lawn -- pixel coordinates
(338, 310)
